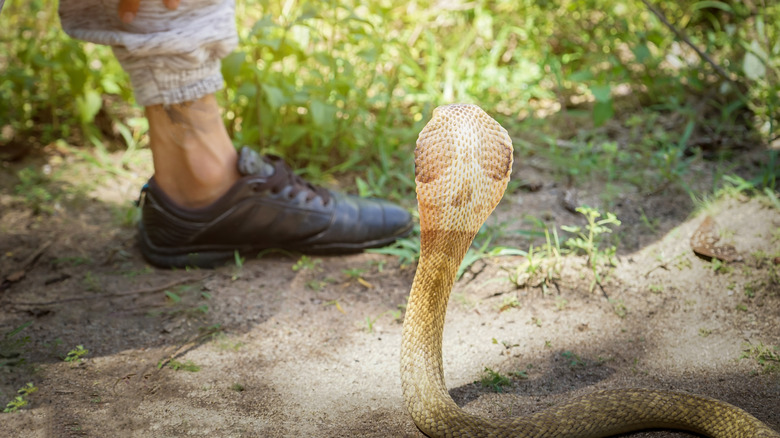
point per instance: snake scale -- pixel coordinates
(463, 160)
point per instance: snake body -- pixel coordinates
(463, 160)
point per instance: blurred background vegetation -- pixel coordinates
(608, 89)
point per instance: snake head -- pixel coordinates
(463, 160)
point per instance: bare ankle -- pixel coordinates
(194, 159)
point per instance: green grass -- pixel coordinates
(542, 266)
(561, 303)
(406, 249)
(484, 250)
(369, 322)
(224, 343)
(509, 302)
(766, 356)
(76, 354)
(307, 263)
(35, 189)
(588, 240)
(186, 300)
(345, 86)
(720, 267)
(618, 307)
(238, 265)
(494, 380)
(173, 297)
(188, 365)
(12, 345)
(20, 400)
(573, 359)
(354, 273)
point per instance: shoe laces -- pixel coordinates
(285, 177)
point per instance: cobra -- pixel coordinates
(463, 160)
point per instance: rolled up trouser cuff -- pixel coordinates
(154, 86)
(171, 56)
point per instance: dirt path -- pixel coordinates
(291, 347)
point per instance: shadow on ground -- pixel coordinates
(285, 346)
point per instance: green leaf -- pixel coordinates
(274, 96)
(581, 76)
(369, 55)
(602, 93)
(231, 67)
(273, 44)
(502, 251)
(172, 296)
(247, 89)
(109, 85)
(16, 331)
(364, 190)
(321, 112)
(686, 134)
(292, 133)
(753, 65)
(712, 4)
(602, 111)
(88, 105)
(656, 37)
(262, 23)
(641, 52)
(309, 13)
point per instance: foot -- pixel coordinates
(268, 207)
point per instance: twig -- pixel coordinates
(661, 266)
(27, 266)
(147, 290)
(603, 291)
(181, 349)
(187, 346)
(474, 274)
(681, 35)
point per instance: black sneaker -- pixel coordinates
(269, 207)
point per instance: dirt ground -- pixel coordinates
(283, 347)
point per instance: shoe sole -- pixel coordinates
(212, 257)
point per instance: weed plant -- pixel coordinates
(51, 83)
(183, 366)
(494, 380)
(76, 354)
(12, 346)
(767, 356)
(20, 400)
(588, 240)
(542, 266)
(343, 86)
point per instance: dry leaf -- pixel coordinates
(704, 242)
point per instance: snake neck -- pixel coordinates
(422, 374)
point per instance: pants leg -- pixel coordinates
(171, 56)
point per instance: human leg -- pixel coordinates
(194, 160)
(173, 58)
(204, 201)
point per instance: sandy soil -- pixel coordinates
(293, 349)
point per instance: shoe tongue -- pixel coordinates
(251, 163)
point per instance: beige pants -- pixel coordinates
(171, 56)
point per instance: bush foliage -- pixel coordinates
(346, 84)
